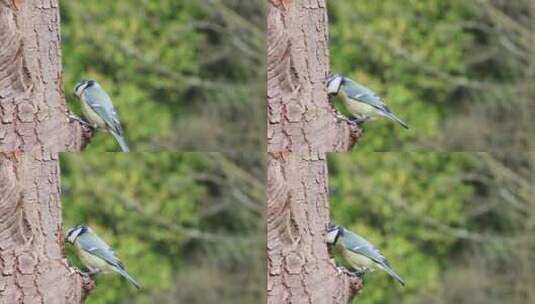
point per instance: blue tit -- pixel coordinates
(360, 101)
(96, 255)
(98, 109)
(361, 255)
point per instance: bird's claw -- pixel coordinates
(86, 275)
(352, 272)
(358, 121)
(90, 273)
(81, 121)
(341, 117)
(352, 121)
(357, 273)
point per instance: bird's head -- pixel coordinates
(334, 82)
(74, 232)
(333, 232)
(82, 85)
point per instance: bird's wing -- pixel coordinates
(361, 93)
(361, 246)
(96, 246)
(101, 103)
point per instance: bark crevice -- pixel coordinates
(33, 268)
(300, 117)
(34, 127)
(302, 127)
(300, 269)
(33, 111)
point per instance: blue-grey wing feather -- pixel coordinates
(95, 245)
(101, 103)
(363, 94)
(361, 246)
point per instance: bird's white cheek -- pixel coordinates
(333, 87)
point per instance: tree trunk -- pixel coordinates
(32, 265)
(33, 113)
(299, 266)
(302, 127)
(300, 118)
(33, 127)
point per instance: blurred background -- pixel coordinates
(189, 227)
(184, 75)
(458, 227)
(459, 72)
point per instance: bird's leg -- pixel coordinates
(341, 117)
(359, 120)
(358, 273)
(91, 272)
(81, 121)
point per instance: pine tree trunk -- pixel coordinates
(33, 113)
(302, 127)
(300, 118)
(299, 267)
(33, 128)
(33, 268)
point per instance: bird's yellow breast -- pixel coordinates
(91, 115)
(93, 262)
(358, 109)
(359, 262)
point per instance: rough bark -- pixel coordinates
(300, 117)
(33, 268)
(300, 269)
(34, 126)
(302, 127)
(33, 113)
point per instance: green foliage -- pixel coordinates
(455, 71)
(403, 50)
(176, 79)
(398, 49)
(385, 196)
(168, 215)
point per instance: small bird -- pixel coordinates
(96, 255)
(98, 109)
(361, 255)
(360, 101)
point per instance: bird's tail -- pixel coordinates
(121, 141)
(125, 275)
(392, 273)
(396, 119)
